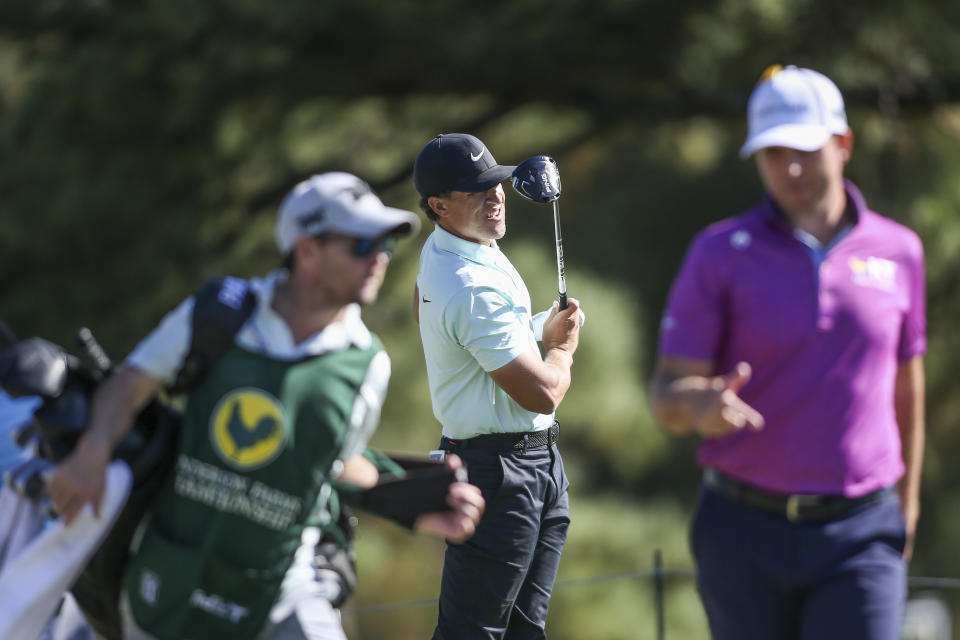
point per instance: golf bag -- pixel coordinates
(65, 384)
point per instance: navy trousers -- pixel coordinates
(762, 577)
(497, 585)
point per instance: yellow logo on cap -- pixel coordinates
(769, 72)
(247, 428)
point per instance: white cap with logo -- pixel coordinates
(341, 203)
(795, 108)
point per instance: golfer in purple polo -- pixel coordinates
(793, 343)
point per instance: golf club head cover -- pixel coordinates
(537, 179)
(33, 367)
(403, 499)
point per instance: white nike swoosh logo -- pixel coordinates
(478, 156)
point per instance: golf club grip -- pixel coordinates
(561, 270)
(561, 278)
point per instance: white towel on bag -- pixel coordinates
(33, 579)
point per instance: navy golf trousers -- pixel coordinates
(763, 577)
(497, 585)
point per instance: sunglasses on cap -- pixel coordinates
(364, 247)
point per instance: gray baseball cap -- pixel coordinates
(341, 203)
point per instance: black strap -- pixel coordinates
(402, 500)
(220, 308)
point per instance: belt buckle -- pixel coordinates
(795, 502)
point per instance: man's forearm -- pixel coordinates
(909, 400)
(560, 362)
(115, 405)
(359, 472)
(672, 402)
(536, 385)
(909, 397)
(912, 438)
(685, 396)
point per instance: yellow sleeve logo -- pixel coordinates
(247, 428)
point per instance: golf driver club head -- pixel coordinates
(537, 179)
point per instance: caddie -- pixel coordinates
(284, 412)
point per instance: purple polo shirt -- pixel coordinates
(824, 333)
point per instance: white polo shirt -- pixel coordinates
(475, 317)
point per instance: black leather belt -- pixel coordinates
(516, 441)
(795, 508)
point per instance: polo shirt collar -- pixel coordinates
(855, 203)
(473, 251)
(334, 337)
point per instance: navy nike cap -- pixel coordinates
(457, 162)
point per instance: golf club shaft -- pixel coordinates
(560, 270)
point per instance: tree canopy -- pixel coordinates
(146, 144)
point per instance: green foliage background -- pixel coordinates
(146, 144)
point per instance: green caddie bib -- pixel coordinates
(257, 444)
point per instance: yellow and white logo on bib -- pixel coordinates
(247, 428)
